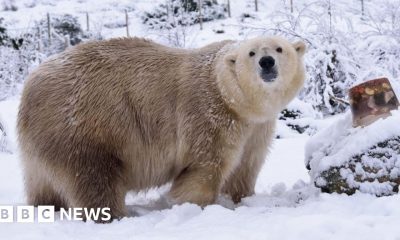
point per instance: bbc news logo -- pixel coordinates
(47, 214)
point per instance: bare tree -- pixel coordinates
(229, 8)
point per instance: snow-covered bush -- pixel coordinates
(68, 25)
(171, 20)
(246, 16)
(3, 33)
(183, 12)
(344, 159)
(66, 31)
(379, 50)
(340, 57)
(14, 67)
(17, 56)
(299, 117)
(331, 71)
(8, 41)
(331, 64)
(9, 5)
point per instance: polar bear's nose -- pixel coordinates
(267, 62)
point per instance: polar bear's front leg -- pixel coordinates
(207, 167)
(199, 184)
(242, 182)
(208, 152)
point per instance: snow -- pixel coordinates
(8, 114)
(332, 217)
(307, 118)
(333, 146)
(286, 204)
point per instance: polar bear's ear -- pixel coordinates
(230, 59)
(300, 47)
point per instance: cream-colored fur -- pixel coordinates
(111, 116)
(242, 87)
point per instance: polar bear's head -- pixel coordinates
(258, 77)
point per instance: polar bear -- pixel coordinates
(106, 117)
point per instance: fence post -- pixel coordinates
(87, 22)
(200, 16)
(167, 6)
(49, 28)
(362, 7)
(256, 5)
(40, 40)
(66, 41)
(127, 23)
(291, 6)
(330, 20)
(229, 8)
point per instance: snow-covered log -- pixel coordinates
(344, 159)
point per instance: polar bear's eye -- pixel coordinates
(252, 53)
(279, 49)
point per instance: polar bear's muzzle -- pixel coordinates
(268, 70)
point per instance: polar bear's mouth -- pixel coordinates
(269, 75)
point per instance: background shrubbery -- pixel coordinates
(18, 54)
(346, 45)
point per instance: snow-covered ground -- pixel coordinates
(285, 205)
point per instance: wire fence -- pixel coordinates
(89, 24)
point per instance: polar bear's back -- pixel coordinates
(117, 96)
(95, 90)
